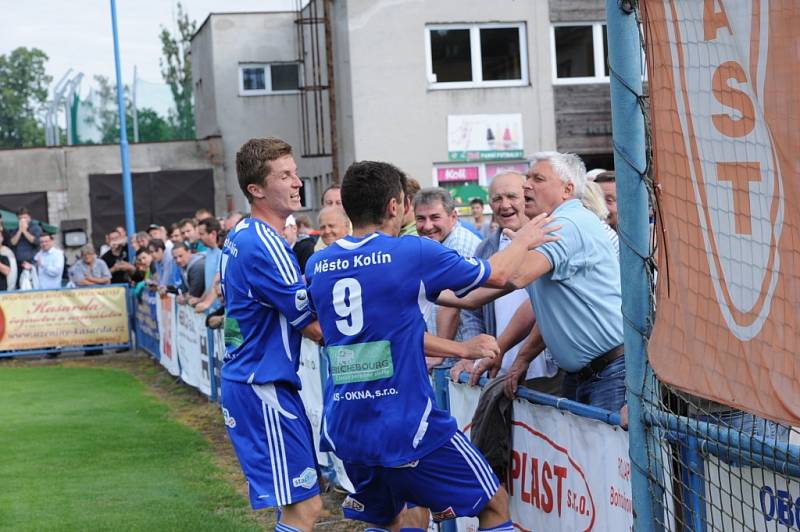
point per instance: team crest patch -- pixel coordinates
(352, 504)
(300, 299)
(230, 421)
(447, 513)
(306, 480)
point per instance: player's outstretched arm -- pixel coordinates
(515, 266)
(473, 300)
(481, 346)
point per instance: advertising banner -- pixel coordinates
(484, 137)
(42, 319)
(457, 174)
(311, 393)
(167, 326)
(192, 342)
(557, 479)
(725, 138)
(732, 494)
(147, 336)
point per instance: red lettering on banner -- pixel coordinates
(547, 501)
(740, 175)
(561, 473)
(734, 98)
(513, 472)
(539, 491)
(526, 497)
(714, 19)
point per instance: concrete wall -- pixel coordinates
(63, 171)
(386, 109)
(205, 116)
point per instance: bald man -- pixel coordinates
(333, 225)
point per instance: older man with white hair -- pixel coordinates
(507, 201)
(333, 225)
(574, 290)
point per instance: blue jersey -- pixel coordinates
(368, 293)
(266, 306)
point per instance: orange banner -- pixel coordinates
(726, 135)
(43, 319)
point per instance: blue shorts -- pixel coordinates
(453, 481)
(272, 437)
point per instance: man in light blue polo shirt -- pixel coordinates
(208, 233)
(574, 289)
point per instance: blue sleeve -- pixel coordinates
(566, 255)
(276, 281)
(443, 268)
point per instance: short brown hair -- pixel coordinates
(253, 158)
(412, 187)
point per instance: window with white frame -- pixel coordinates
(580, 52)
(268, 78)
(476, 55)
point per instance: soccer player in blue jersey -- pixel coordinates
(380, 418)
(267, 311)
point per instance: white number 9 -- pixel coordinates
(347, 304)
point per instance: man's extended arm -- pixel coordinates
(507, 264)
(531, 349)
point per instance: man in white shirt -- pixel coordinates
(49, 263)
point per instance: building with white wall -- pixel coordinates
(450, 91)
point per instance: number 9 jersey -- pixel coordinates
(369, 294)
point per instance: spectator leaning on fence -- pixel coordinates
(89, 271)
(574, 290)
(507, 201)
(192, 271)
(49, 262)
(188, 228)
(162, 259)
(208, 231)
(8, 274)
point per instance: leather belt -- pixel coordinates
(599, 364)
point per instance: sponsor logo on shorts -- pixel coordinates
(306, 480)
(352, 504)
(230, 421)
(301, 299)
(447, 513)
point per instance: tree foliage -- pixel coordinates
(23, 94)
(176, 69)
(102, 114)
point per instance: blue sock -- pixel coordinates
(502, 527)
(282, 527)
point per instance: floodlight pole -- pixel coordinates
(127, 185)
